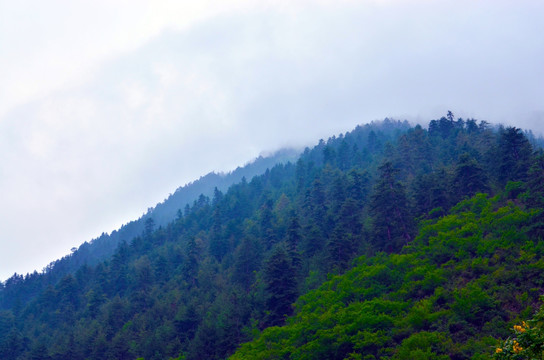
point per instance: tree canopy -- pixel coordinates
(389, 241)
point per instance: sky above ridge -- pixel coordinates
(106, 107)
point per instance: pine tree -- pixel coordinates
(358, 186)
(515, 155)
(267, 224)
(149, 226)
(535, 195)
(392, 221)
(469, 178)
(293, 241)
(280, 285)
(39, 352)
(218, 244)
(191, 262)
(535, 182)
(431, 191)
(247, 262)
(318, 205)
(345, 238)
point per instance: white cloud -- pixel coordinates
(50, 45)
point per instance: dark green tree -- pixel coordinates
(515, 155)
(392, 224)
(95, 298)
(340, 249)
(431, 191)
(469, 178)
(450, 116)
(205, 344)
(218, 242)
(293, 240)
(120, 349)
(373, 142)
(318, 207)
(345, 156)
(345, 239)
(313, 240)
(358, 186)
(247, 262)
(535, 195)
(471, 126)
(281, 286)
(13, 345)
(186, 322)
(191, 262)
(149, 226)
(535, 182)
(39, 351)
(267, 224)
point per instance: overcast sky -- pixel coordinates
(108, 106)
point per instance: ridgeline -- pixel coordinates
(387, 242)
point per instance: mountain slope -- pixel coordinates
(232, 265)
(103, 247)
(448, 295)
(173, 206)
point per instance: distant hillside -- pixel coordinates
(174, 206)
(394, 242)
(163, 213)
(101, 248)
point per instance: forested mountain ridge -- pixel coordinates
(103, 247)
(173, 206)
(446, 218)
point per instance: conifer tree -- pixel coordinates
(358, 186)
(266, 224)
(515, 155)
(469, 178)
(389, 206)
(280, 285)
(293, 240)
(535, 195)
(218, 244)
(247, 262)
(345, 238)
(535, 182)
(431, 191)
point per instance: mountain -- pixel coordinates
(393, 241)
(447, 295)
(103, 247)
(173, 207)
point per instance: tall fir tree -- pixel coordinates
(281, 286)
(469, 178)
(515, 155)
(392, 223)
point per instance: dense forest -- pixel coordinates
(103, 247)
(386, 242)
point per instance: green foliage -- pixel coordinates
(443, 298)
(281, 286)
(469, 177)
(424, 346)
(228, 268)
(527, 341)
(515, 153)
(393, 226)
